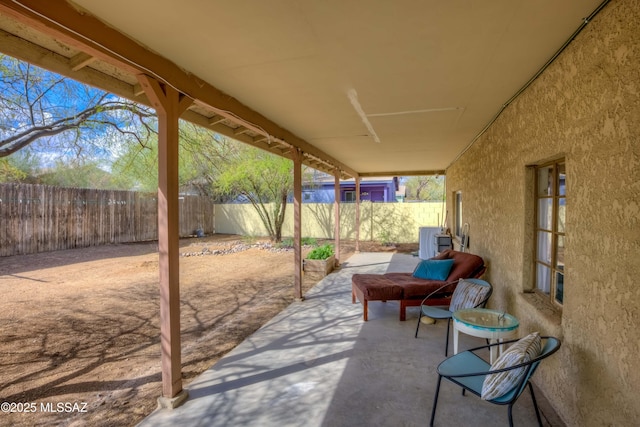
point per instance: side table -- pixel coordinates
(484, 323)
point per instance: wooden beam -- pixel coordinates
(80, 60)
(34, 54)
(138, 90)
(61, 20)
(169, 105)
(404, 173)
(37, 55)
(357, 214)
(277, 147)
(216, 120)
(258, 142)
(241, 130)
(297, 222)
(261, 140)
(336, 215)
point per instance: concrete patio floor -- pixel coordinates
(318, 364)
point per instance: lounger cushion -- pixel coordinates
(410, 290)
(414, 287)
(376, 287)
(465, 265)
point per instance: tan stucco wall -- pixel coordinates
(586, 108)
(395, 222)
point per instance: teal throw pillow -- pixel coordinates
(433, 269)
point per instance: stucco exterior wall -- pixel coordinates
(586, 108)
(393, 222)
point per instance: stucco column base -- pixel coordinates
(172, 402)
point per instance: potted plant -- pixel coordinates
(320, 260)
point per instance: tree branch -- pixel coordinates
(21, 139)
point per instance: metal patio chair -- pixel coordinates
(468, 370)
(463, 297)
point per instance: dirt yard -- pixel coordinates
(79, 329)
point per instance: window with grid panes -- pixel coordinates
(550, 230)
(350, 196)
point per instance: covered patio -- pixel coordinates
(318, 364)
(527, 107)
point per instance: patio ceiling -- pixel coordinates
(367, 87)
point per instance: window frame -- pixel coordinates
(457, 214)
(351, 193)
(555, 264)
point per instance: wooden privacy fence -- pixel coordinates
(39, 218)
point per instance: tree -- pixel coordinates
(78, 173)
(201, 153)
(111, 141)
(9, 172)
(136, 168)
(38, 106)
(219, 167)
(425, 188)
(264, 179)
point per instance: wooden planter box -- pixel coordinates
(321, 267)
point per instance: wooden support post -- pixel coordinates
(336, 216)
(357, 214)
(297, 220)
(169, 105)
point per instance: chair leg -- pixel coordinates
(510, 415)
(435, 401)
(446, 349)
(535, 404)
(419, 319)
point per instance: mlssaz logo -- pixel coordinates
(63, 407)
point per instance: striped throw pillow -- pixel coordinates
(524, 350)
(467, 295)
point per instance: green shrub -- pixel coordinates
(321, 252)
(309, 241)
(287, 242)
